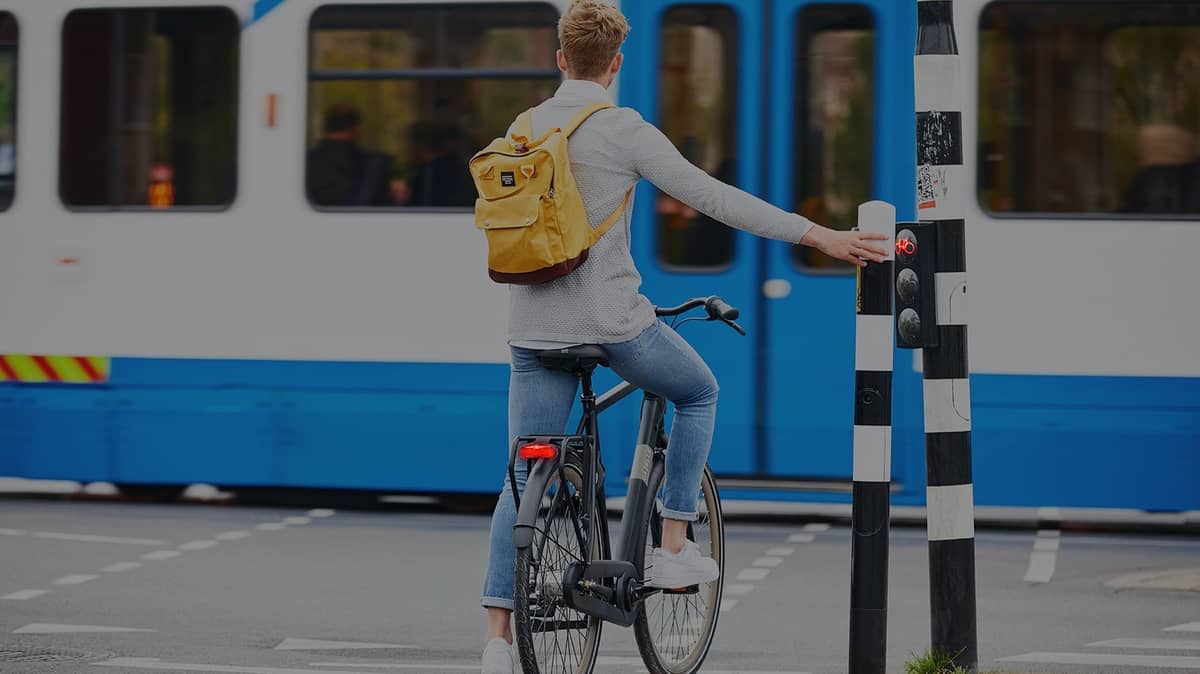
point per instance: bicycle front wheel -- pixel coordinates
(675, 629)
(553, 638)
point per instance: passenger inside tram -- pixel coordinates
(343, 173)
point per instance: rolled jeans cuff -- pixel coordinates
(497, 602)
(679, 515)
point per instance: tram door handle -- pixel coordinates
(776, 288)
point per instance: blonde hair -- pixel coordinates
(591, 33)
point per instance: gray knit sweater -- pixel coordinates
(600, 303)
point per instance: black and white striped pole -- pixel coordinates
(872, 451)
(939, 245)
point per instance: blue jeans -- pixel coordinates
(540, 400)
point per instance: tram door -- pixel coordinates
(778, 98)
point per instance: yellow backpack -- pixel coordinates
(529, 207)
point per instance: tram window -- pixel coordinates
(697, 111)
(835, 78)
(1090, 108)
(400, 96)
(149, 108)
(8, 109)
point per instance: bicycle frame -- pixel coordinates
(617, 576)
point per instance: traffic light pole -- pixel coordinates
(872, 451)
(942, 188)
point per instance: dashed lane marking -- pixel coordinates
(1043, 557)
(1150, 644)
(737, 589)
(753, 574)
(1111, 660)
(290, 644)
(22, 595)
(51, 628)
(271, 526)
(156, 664)
(13, 532)
(768, 562)
(801, 538)
(781, 551)
(321, 512)
(817, 527)
(90, 538)
(76, 579)
(121, 566)
(1186, 627)
(297, 520)
(197, 545)
(728, 604)
(232, 535)
(160, 554)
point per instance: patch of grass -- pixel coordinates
(932, 662)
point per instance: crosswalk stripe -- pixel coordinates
(1105, 659)
(1151, 644)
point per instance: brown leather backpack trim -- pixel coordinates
(543, 275)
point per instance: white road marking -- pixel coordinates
(768, 562)
(22, 595)
(1123, 660)
(51, 628)
(1043, 557)
(801, 538)
(155, 663)
(1186, 627)
(323, 645)
(780, 552)
(817, 527)
(121, 566)
(271, 526)
(736, 589)
(753, 574)
(76, 579)
(160, 554)
(197, 545)
(604, 661)
(232, 535)
(1150, 644)
(728, 604)
(89, 538)
(297, 520)
(13, 532)
(321, 512)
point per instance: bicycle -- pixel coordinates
(568, 583)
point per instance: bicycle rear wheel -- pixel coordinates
(674, 630)
(551, 637)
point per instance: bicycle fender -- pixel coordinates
(540, 473)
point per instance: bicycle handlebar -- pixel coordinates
(716, 308)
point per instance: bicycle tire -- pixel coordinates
(538, 573)
(668, 644)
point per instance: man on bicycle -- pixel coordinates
(599, 303)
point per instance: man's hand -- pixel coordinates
(849, 246)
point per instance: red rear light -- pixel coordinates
(537, 451)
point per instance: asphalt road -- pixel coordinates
(110, 586)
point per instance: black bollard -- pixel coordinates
(943, 186)
(872, 452)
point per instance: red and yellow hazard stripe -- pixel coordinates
(54, 369)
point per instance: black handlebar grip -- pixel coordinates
(718, 308)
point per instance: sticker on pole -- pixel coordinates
(931, 186)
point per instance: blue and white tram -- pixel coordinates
(254, 210)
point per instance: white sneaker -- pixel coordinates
(668, 571)
(498, 657)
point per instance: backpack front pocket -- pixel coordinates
(518, 239)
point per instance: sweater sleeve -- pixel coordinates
(656, 159)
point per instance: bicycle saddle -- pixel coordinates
(573, 359)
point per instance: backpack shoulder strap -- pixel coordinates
(612, 219)
(523, 127)
(582, 116)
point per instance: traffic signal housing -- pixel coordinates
(916, 305)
